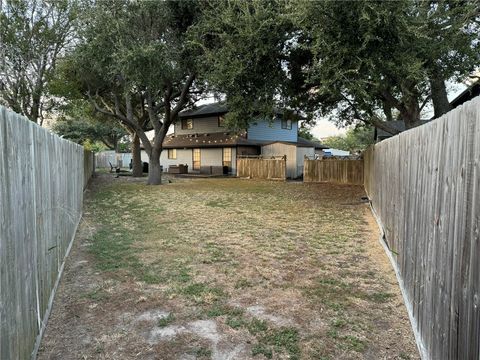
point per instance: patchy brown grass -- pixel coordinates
(227, 269)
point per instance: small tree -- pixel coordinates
(355, 139)
(78, 123)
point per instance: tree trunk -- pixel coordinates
(137, 166)
(387, 109)
(154, 173)
(411, 119)
(411, 113)
(441, 105)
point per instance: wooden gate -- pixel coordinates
(334, 171)
(260, 168)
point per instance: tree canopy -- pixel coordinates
(80, 124)
(356, 139)
(134, 64)
(139, 63)
(367, 61)
(33, 35)
(372, 58)
(243, 43)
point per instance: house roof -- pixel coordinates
(468, 94)
(204, 110)
(226, 139)
(301, 142)
(396, 124)
(207, 140)
(308, 143)
(217, 108)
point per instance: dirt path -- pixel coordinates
(227, 269)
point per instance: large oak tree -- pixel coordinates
(375, 61)
(362, 60)
(134, 64)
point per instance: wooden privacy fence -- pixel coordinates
(88, 166)
(41, 190)
(424, 185)
(335, 171)
(258, 168)
(103, 159)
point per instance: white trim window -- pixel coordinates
(187, 124)
(196, 159)
(286, 124)
(227, 157)
(172, 154)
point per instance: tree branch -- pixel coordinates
(117, 114)
(394, 102)
(183, 96)
(372, 120)
(151, 113)
(425, 102)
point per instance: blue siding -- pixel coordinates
(264, 130)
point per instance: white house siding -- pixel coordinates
(211, 157)
(200, 125)
(214, 157)
(336, 152)
(184, 157)
(280, 149)
(301, 152)
(208, 157)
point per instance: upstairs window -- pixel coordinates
(187, 124)
(286, 124)
(172, 154)
(221, 121)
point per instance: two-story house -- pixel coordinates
(202, 142)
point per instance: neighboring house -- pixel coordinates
(469, 93)
(202, 142)
(335, 152)
(380, 134)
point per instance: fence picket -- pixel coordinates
(424, 184)
(41, 193)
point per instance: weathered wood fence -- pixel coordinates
(41, 191)
(334, 171)
(258, 168)
(105, 158)
(88, 166)
(424, 185)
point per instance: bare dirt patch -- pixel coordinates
(227, 269)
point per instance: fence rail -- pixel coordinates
(272, 169)
(424, 185)
(335, 171)
(41, 195)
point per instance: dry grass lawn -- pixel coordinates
(227, 269)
